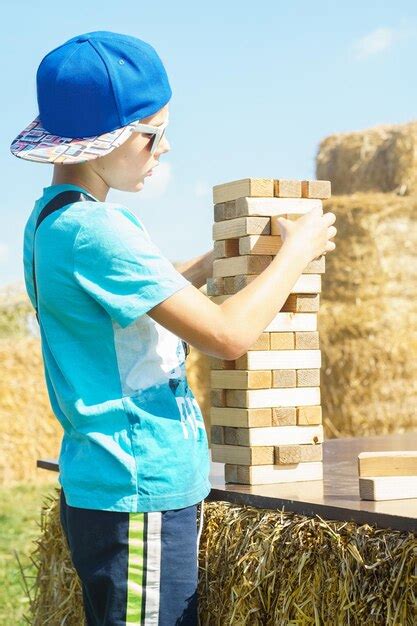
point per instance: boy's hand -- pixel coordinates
(197, 269)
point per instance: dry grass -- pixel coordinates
(368, 317)
(383, 158)
(264, 568)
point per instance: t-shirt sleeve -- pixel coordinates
(118, 265)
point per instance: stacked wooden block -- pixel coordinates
(266, 418)
(390, 475)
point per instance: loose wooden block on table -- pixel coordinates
(274, 435)
(269, 474)
(285, 455)
(241, 417)
(309, 415)
(388, 463)
(241, 379)
(257, 455)
(264, 207)
(388, 488)
(245, 187)
(279, 360)
(241, 227)
(316, 189)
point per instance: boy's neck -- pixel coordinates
(74, 175)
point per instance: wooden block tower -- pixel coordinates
(266, 418)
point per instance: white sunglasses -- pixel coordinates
(156, 131)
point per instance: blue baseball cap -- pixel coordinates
(90, 91)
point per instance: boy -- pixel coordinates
(113, 313)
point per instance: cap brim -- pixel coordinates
(35, 143)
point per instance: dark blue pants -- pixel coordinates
(135, 568)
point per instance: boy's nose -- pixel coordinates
(164, 146)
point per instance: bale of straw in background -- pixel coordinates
(383, 158)
(29, 427)
(368, 317)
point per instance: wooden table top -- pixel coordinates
(334, 498)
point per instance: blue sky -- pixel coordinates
(256, 85)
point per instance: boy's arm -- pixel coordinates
(198, 269)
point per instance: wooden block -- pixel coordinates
(306, 453)
(388, 463)
(233, 284)
(316, 189)
(307, 340)
(245, 418)
(284, 378)
(309, 415)
(279, 360)
(269, 207)
(270, 474)
(241, 379)
(297, 303)
(221, 364)
(284, 416)
(306, 284)
(215, 286)
(217, 434)
(264, 398)
(293, 322)
(278, 435)
(225, 211)
(259, 244)
(240, 227)
(226, 247)
(233, 266)
(287, 188)
(262, 343)
(388, 488)
(282, 341)
(308, 378)
(246, 187)
(257, 455)
(218, 397)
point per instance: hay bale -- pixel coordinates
(55, 595)
(368, 317)
(263, 568)
(30, 430)
(268, 568)
(383, 158)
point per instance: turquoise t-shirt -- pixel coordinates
(134, 437)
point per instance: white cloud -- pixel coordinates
(4, 252)
(374, 42)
